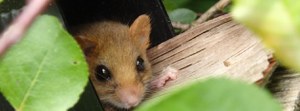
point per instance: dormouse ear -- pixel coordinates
(86, 45)
(140, 30)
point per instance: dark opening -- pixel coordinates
(77, 12)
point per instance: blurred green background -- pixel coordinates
(186, 11)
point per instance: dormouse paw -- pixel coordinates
(168, 74)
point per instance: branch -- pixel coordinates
(181, 26)
(20, 25)
(218, 6)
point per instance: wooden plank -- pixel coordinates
(217, 47)
(171, 44)
(284, 84)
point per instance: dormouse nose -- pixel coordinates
(130, 96)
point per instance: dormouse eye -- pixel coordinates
(102, 73)
(140, 64)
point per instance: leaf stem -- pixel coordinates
(20, 25)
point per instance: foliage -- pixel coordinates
(277, 23)
(214, 95)
(46, 71)
(184, 11)
(183, 15)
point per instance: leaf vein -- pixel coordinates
(33, 83)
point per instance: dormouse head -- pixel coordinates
(116, 53)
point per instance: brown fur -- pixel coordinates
(117, 46)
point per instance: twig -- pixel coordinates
(211, 11)
(16, 30)
(181, 26)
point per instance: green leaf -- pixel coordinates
(277, 22)
(214, 95)
(174, 4)
(183, 15)
(1, 1)
(45, 71)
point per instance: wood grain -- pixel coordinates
(284, 84)
(214, 48)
